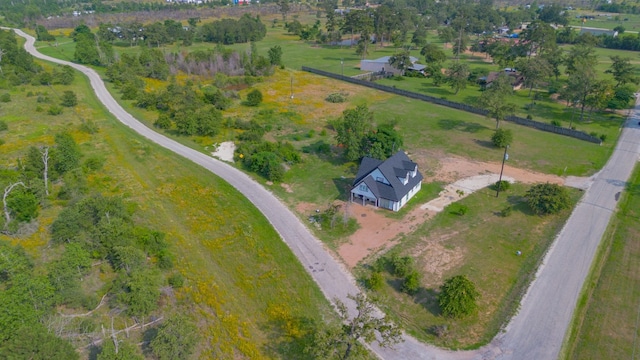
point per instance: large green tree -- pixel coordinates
(352, 129)
(623, 71)
(580, 84)
(400, 61)
(458, 297)
(36, 343)
(433, 54)
(494, 99)
(176, 338)
(67, 153)
(547, 198)
(535, 70)
(457, 76)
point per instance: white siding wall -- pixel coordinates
(362, 189)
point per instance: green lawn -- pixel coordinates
(631, 22)
(481, 245)
(606, 322)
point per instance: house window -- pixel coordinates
(363, 187)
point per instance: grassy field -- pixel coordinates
(606, 322)
(481, 245)
(250, 295)
(605, 20)
(437, 127)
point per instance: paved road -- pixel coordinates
(536, 332)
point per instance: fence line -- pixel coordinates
(581, 135)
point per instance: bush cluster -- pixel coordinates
(399, 267)
(336, 98)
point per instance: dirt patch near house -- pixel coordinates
(437, 260)
(378, 233)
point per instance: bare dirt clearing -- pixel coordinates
(378, 232)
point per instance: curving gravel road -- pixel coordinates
(536, 332)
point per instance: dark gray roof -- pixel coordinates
(367, 165)
(396, 166)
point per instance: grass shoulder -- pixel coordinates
(481, 244)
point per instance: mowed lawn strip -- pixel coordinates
(250, 294)
(606, 321)
(481, 245)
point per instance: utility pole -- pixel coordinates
(292, 86)
(504, 158)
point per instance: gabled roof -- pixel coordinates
(367, 165)
(394, 167)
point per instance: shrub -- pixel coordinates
(254, 98)
(176, 280)
(3, 125)
(54, 110)
(458, 296)
(375, 281)
(69, 99)
(93, 163)
(458, 209)
(547, 198)
(556, 123)
(324, 148)
(336, 98)
(401, 266)
(503, 185)
(502, 138)
(163, 122)
(89, 127)
(506, 211)
(411, 283)
(5, 98)
(603, 137)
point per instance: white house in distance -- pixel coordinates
(382, 65)
(387, 184)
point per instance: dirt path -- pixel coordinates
(378, 232)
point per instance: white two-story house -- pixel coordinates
(387, 184)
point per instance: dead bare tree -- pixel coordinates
(114, 337)
(7, 191)
(136, 326)
(45, 172)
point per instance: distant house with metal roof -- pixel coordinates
(382, 65)
(387, 184)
